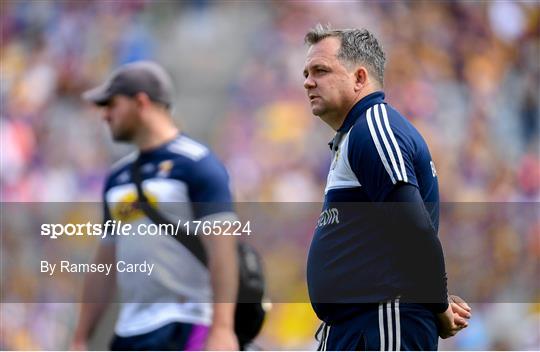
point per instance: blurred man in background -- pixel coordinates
(169, 309)
(377, 280)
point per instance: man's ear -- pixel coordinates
(360, 78)
(142, 99)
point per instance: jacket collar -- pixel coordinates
(359, 108)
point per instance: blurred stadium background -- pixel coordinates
(466, 73)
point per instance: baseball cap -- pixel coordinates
(130, 79)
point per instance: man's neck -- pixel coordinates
(335, 122)
(156, 134)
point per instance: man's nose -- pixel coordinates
(106, 115)
(309, 83)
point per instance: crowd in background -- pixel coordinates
(466, 74)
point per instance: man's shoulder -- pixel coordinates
(192, 161)
(375, 117)
(123, 162)
(120, 167)
(187, 148)
(394, 116)
(382, 131)
(405, 131)
(385, 115)
(184, 159)
(382, 123)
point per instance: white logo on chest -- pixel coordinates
(328, 217)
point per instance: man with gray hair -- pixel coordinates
(375, 272)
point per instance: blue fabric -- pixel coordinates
(206, 178)
(355, 256)
(417, 330)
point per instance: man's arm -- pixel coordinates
(98, 290)
(422, 247)
(422, 252)
(212, 199)
(223, 267)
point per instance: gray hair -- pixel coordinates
(358, 46)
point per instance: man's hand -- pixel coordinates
(78, 345)
(221, 339)
(450, 323)
(223, 266)
(460, 307)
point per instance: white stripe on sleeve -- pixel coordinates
(378, 145)
(389, 150)
(394, 142)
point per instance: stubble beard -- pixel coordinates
(125, 136)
